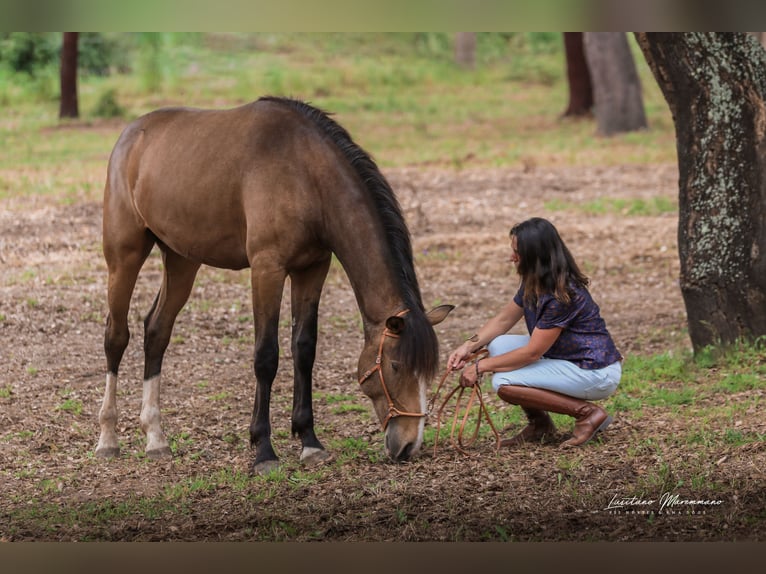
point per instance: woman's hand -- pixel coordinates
(469, 377)
(459, 356)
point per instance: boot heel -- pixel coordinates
(601, 427)
(604, 424)
(574, 441)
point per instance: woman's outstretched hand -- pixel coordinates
(459, 356)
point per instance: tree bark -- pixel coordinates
(69, 107)
(760, 36)
(715, 85)
(618, 103)
(465, 49)
(578, 76)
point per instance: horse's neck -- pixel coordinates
(364, 255)
(371, 279)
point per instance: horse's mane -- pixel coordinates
(419, 345)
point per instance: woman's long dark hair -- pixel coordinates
(545, 264)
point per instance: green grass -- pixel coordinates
(69, 403)
(400, 95)
(739, 382)
(632, 207)
(73, 406)
(677, 378)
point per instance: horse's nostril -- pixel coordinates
(402, 454)
(405, 453)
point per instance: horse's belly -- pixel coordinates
(200, 227)
(222, 253)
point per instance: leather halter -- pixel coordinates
(392, 410)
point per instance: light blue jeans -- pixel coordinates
(555, 374)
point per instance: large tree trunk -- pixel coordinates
(465, 49)
(578, 76)
(715, 85)
(619, 105)
(69, 107)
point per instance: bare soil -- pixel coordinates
(52, 306)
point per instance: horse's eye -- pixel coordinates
(395, 366)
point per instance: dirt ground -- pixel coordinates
(52, 303)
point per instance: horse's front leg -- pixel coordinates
(306, 288)
(267, 298)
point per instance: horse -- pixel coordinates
(277, 186)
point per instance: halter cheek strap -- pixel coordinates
(392, 410)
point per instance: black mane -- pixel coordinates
(419, 345)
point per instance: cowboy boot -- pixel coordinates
(540, 427)
(589, 418)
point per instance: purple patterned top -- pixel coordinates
(584, 339)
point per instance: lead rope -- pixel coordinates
(475, 393)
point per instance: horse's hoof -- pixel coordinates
(108, 452)
(265, 467)
(315, 456)
(159, 453)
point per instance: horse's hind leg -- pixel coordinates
(125, 253)
(306, 288)
(177, 283)
(267, 285)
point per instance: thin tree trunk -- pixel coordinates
(465, 49)
(715, 85)
(578, 76)
(617, 95)
(69, 107)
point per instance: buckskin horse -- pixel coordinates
(276, 186)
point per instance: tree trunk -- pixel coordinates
(465, 49)
(760, 36)
(617, 96)
(578, 76)
(69, 107)
(715, 85)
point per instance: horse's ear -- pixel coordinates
(438, 314)
(395, 324)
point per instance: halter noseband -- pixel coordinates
(392, 410)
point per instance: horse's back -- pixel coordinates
(216, 184)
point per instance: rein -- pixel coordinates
(475, 393)
(392, 410)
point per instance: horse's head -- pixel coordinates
(394, 371)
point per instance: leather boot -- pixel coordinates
(589, 418)
(540, 427)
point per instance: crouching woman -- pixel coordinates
(568, 359)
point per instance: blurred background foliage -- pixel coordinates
(401, 94)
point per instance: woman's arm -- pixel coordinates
(539, 342)
(501, 323)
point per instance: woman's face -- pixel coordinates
(514, 259)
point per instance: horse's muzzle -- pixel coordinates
(401, 451)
